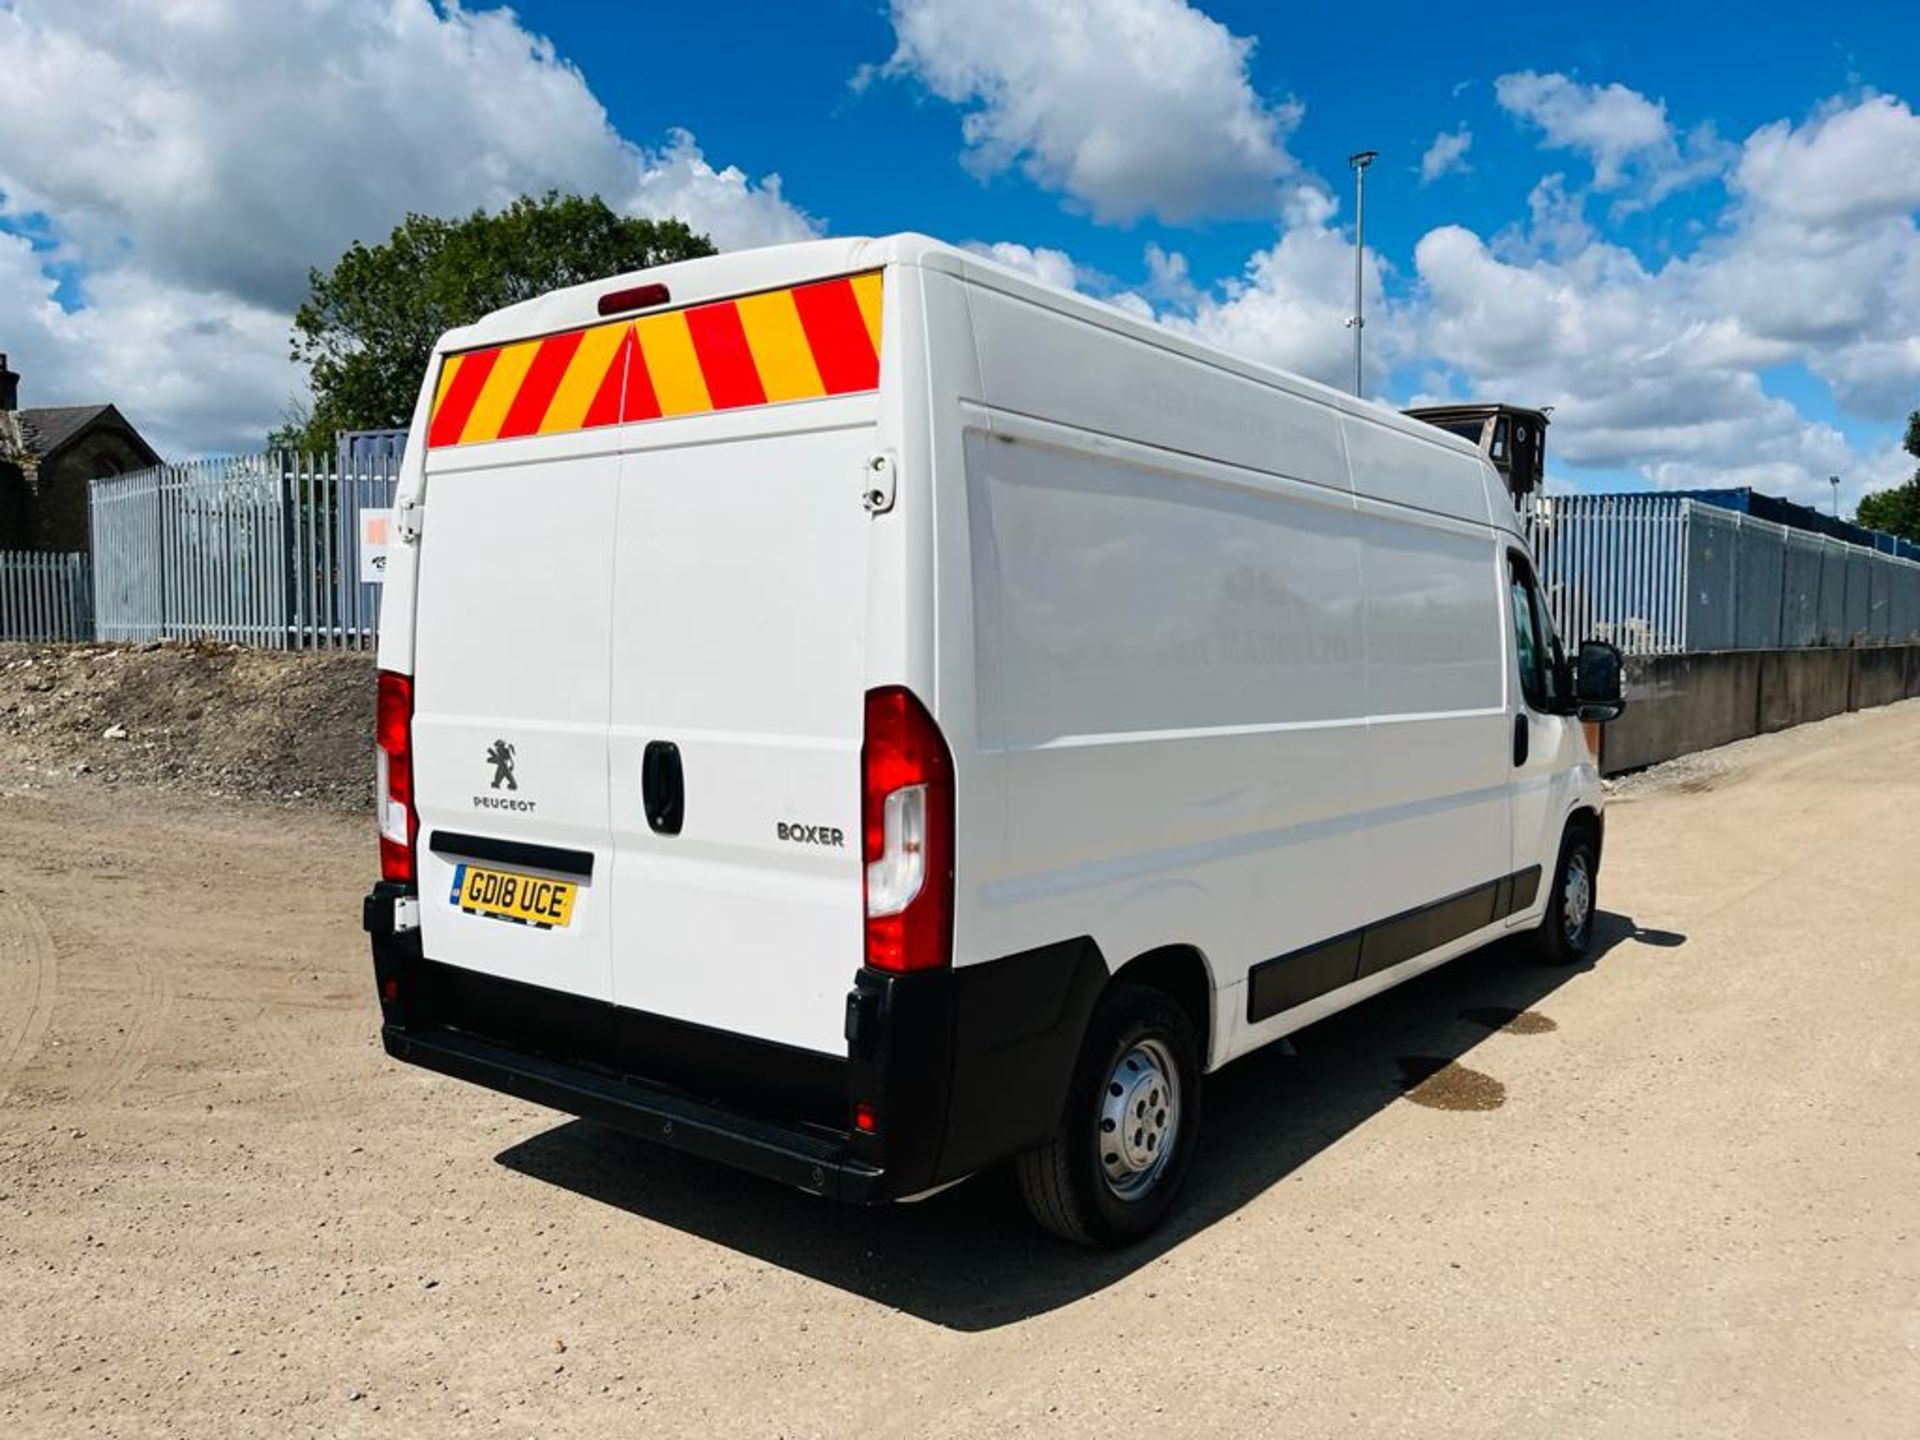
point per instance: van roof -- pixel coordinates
(740, 272)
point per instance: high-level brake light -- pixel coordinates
(906, 811)
(635, 297)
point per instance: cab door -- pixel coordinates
(1546, 741)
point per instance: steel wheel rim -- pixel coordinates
(1139, 1118)
(1576, 898)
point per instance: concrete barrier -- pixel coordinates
(1801, 685)
(1879, 676)
(1680, 703)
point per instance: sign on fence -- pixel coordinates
(374, 525)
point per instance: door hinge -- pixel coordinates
(406, 519)
(877, 483)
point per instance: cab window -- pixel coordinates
(1529, 642)
(1550, 653)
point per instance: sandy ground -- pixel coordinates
(1676, 1192)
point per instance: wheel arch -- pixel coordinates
(1181, 972)
(1593, 822)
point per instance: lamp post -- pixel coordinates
(1834, 480)
(1358, 324)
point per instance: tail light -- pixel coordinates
(906, 813)
(393, 775)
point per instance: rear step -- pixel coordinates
(803, 1158)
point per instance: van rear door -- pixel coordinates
(739, 661)
(510, 706)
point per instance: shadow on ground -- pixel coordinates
(969, 1259)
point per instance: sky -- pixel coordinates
(1693, 235)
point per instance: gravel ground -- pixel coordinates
(204, 719)
(1673, 1192)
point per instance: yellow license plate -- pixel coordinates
(505, 895)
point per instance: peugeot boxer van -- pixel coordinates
(849, 711)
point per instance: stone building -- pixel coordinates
(47, 456)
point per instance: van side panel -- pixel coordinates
(1414, 471)
(1251, 702)
(1038, 362)
(1131, 883)
(1170, 673)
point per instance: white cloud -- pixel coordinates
(1170, 279)
(1291, 305)
(1609, 123)
(203, 154)
(1876, 378)
(735, 212)
(1447, 155)
(195, 371)
(235, 145)
(1852, 163)
(1825, 256)
(1131, 107)
(1633, 147)
(1051, 267)
(1659, 369)
(1642, 376)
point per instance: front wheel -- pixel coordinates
(1565, 935)
(1111, 1172)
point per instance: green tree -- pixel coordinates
(369, 324)
(1897, 511)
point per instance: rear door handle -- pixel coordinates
(663, 790)
(1520, 729)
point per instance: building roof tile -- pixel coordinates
(52, 427)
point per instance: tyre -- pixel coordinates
(1565, 935)
(1111, 1172)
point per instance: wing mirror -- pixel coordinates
(1596, 681)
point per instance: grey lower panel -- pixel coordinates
(1302, 975)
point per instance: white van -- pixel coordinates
(850, 711)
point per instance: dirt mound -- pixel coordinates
(214, 718)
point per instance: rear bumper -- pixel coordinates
(806, 1159)
(955, 1069)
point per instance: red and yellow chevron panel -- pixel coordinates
(796, 344)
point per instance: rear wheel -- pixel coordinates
(1566, 930)
(1133, 1111)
